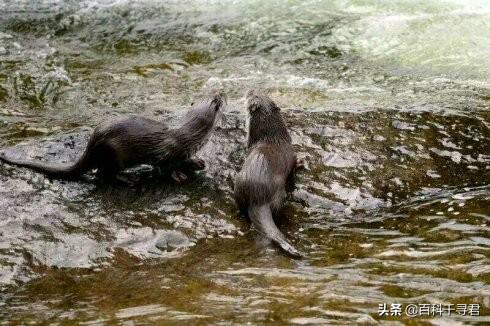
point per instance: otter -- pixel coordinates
(135, 140)
(260, 186)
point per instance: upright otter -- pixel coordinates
(260, 186)
(130, 141)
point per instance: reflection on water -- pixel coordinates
(386, 101)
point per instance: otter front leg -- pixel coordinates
(175, 170)
(180, 168)
(189, 165)
(178, 176)
(301, 164)
(194, 164)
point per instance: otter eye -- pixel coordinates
(192, 104)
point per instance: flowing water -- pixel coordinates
(386, 101)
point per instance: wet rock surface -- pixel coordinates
(376, 197)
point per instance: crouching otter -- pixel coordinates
(260, 186)
(130, 141)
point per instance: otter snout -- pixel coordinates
(219, 99)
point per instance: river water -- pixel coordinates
(386, 101)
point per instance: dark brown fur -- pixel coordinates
(130, 141)
(260, 186)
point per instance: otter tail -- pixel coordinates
(261, 217)
(62, 171)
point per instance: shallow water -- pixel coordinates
(386, 101)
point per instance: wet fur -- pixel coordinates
(130, 141)
(260, 186)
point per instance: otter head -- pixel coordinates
(203, 115)
(259, 103)
(199, 122)
(265, 123)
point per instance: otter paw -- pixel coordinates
(301, 164)
(197, 164)
(178, 176)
